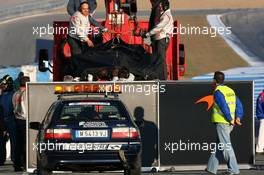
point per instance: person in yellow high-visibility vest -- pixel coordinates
(227, 111)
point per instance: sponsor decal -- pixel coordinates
(80, 147)
(209, 99)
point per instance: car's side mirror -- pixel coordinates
(43, 63)
(35, 125)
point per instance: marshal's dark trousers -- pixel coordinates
(159, 48)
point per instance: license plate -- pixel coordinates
(91, 133)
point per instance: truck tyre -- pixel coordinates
(41, 170)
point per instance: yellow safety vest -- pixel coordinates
(230, 98)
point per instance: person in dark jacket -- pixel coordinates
(260, 116)
(9, 117)
(2, 138)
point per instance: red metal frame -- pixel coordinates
(124, 31)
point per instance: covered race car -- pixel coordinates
(110, 55)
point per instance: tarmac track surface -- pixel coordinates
(8, 169)
(10, 3)
(248, 26)
(19, 45)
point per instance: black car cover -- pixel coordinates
(114, 53)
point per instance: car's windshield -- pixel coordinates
(91, 110)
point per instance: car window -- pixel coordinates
(50, 113)
(87, 110)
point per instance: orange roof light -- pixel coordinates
(59, 89)
(78, 88)
(68, 89)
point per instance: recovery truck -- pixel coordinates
(120, 18)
